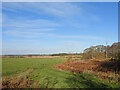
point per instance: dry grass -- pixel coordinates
(105, 69)
(20, 81)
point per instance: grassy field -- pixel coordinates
(44, 75)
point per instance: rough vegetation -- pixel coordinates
(98, 66)
(105, 69)
(43, 75)
(20, 81)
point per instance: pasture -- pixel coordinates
(39, 73)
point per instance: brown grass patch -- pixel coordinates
(20, 81)
(102, 68)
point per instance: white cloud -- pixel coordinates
(57, 9)
(34, 34)
(23, 23)
(24, 34)
(40, 30)
(80, 37)
(61, 10)
(28, 28)
(33, 50)
(60, 1)
(67, 12)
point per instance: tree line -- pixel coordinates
(102, 51)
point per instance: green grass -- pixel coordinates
(44, 75)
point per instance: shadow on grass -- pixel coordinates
(111, 65)
(84, 81)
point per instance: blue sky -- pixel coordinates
(42, 28)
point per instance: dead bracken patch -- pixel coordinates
(20, 81)
(112, 65)
(106, 67)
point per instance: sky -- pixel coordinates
(54, 27)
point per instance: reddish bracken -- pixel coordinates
(95, 66)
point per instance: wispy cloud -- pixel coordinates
(40, 27)
(60, 10)
(60, 1)
(62, 49)
(35, 34)
(40, 30)
(81, 37)
(17, 23)
(22, 27)
(57, 9)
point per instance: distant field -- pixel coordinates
(39, 72)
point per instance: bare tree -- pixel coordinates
(106, 49)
